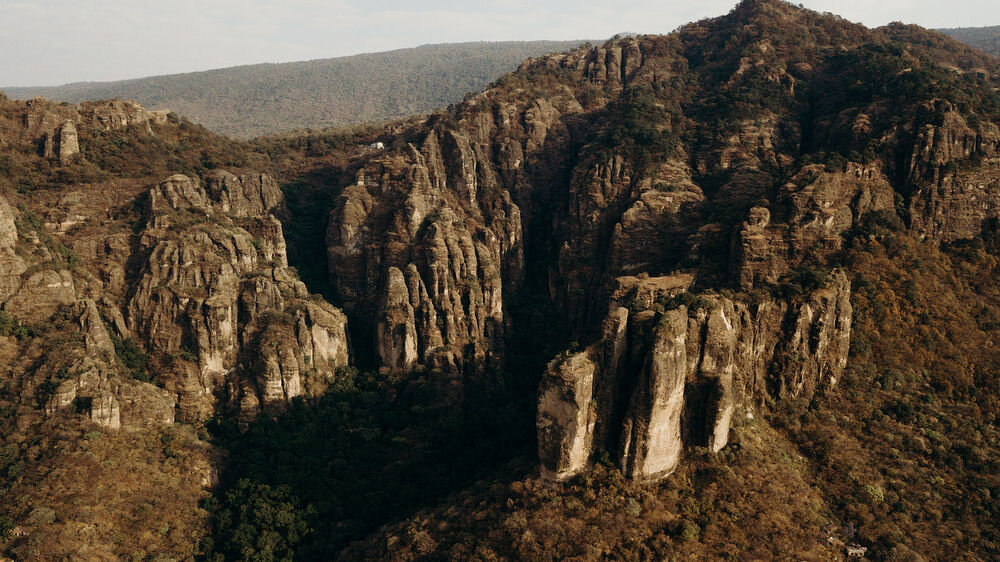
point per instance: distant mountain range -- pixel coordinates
(260, 99)
(248, 101)
(984, 38)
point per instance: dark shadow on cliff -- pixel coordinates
(368, 452)
(373, 450)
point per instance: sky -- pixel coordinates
(51, 42)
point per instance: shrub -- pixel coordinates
(801, 281)
(133, 357)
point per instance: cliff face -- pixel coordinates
(726, 169)
(215, 295)
(659, 381)
(952, 169)
(204, 288)
(423, 246)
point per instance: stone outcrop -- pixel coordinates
(56, 125)
(69, 145)
(419, 247)
(566, 415)
(11, 265)
(96, 385)
(62, 143)
(815, 209)
(40, 293)
(952, 199)
(121, 114)
(651, 435)
(215, 294)
(658, 382)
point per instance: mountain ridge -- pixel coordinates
(668, 284)
(317, 93)
(985, 38)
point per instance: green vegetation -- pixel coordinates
(984, 38)
(9, 326)
(259, 522)
(255, 100)
(131, 354)
(368, 450)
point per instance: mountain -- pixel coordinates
(248, 101)
(986, 39)
(725, 293)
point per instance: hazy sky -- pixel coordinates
(49, 42)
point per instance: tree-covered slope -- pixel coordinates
(984, 38)
(728, 293)
(247, 101)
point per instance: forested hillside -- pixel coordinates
(247, 101)
(728, 293)
(984, 38)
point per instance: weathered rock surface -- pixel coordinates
(41, 293)
(657, 382)
(816, 208)
(417, 252)
(566, 416)
(57, 125)
(94, 381)
(11, 265)
(952, 199)
(651, 435)
(216, 296)
(69, 145)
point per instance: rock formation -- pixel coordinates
(419, 247)
(204, 289)
(657, 382)
(952, 199)
(56, 125)
(11, 265)
(96, 385)
(818, 207)
(216, 296)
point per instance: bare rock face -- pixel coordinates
(57, 125)
(69, 145)
(658, 382)
(41, 293)
(215, 294)
(397, 332)
(419, 254)
(951, 200)
(817, 206)
(11, 265)
(121, 114)
(566, 417)
(651, 435)
(96, 383)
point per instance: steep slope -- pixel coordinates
(130, 309)
(248, 101)
(724, 293)
(695, 207)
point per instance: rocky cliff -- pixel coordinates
(659, 380)
(605, 163)
(214, 294)
(725, 220)
(203, 288)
